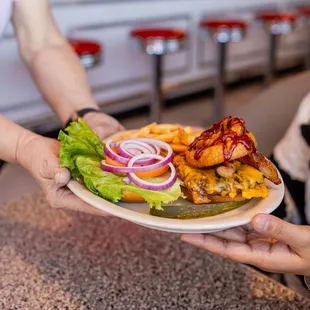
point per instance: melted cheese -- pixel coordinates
(258, 191)
(250, 174)
(246, 181)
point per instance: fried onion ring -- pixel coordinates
(230, 135)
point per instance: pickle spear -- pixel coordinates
(184, 210)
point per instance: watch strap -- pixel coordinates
(80, 113)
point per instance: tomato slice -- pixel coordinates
(114, 163)
(143, 175)
(115, 150)
(152, 173)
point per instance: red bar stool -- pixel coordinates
(222, 32)
(276, 25)
(88, 51)
(158, 42)
(305, 14)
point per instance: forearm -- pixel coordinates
(11, 140)
(62, 80)
(50, 59)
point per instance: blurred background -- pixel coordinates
(185, 61)
(174, 61)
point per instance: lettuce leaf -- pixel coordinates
(81, 141)
(81, 152)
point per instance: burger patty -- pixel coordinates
(203, 185)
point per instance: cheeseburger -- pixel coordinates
(223, 165)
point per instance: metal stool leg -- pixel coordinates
(218, 108)
(157, 94)
(272, 59)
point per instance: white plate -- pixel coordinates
(139, 213)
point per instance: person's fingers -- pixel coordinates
(274, 258)
(106, 131)
(62, 177)
(232, 234)
(234, 250)
(121, 127)
(102, 132)
(297, 237)
(65, 199)
(103, 124)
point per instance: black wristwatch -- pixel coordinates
(80, 113)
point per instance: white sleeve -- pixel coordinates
(292, 152)
(307, 198)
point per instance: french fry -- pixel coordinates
(149, 136)
(184, 137)
(178, 148)
(192, 136)
(177, 139)
(145, 131)
(163, 128)
(126, 135)
(177, 136)
(155, 129)
(168, 138)
(188, 129)
(188, 138)
(169, 127)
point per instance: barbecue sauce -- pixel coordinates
(225, 135)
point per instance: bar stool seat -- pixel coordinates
(89, 52)
(222, 31)
(158, 42)
(305, 11)
(225, 31)
(277, 22)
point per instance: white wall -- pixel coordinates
(125, 71)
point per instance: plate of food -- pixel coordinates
(173, 178)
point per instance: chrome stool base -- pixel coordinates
(157, 92)
(222, 32)
(276, 24)
(157, 43)
(272, 59)
(218, 103)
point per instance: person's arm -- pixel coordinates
(11, 139)
(269, 244)
(40, 157)
(52, 62)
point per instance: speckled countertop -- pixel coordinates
(52, 259)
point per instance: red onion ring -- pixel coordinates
(125, 159)
(137, 158)
(108, 168)
(127, 180)
(110, 153)
(152, 186)
(123, 148)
